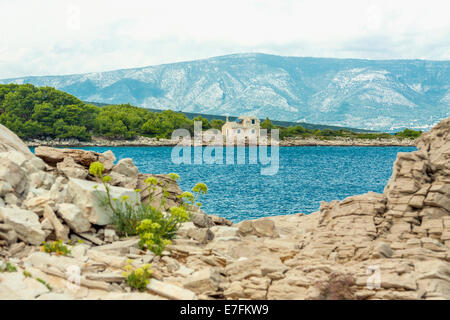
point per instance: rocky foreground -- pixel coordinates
(394, 245)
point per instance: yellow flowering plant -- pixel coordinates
(57, 247)
(137, 278)
(155, 227)
(190, 199)
(155, 234)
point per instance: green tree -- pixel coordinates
(267, 124)
(217, 124)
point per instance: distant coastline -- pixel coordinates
(153, 142)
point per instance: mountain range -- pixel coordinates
(384, 95)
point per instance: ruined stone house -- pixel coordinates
(243, 129)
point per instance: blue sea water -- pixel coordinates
(306, 176)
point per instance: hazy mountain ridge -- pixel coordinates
(379, 95)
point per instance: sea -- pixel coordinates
(301, 177)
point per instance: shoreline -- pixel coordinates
(290, 142)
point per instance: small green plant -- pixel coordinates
(7, 267)
(26, 274)
(57, 247)
(137, 278)
(155, 226)
(44, 283)
(155, 234)
(191, 199)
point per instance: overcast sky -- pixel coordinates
(62, 37)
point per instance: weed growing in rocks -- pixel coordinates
(7, 267)
(56, 246)
(156, 233)
(154, 226)
(137, 278)
(44, 283)
(26, 274)
(190, 199)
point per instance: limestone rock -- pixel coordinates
(265, 228)
(42, 261)
(110, 235)
(111, 260)
(202, 235)
(15, 156)
(37, 204)
(13, 174)
(127, 168)
(202, 220)
(9, 141)
(88, 199)
(382, 250)
(170, 291)
(224, 231)
(107, 158)
(52, 156)
(61, 231)
(8, 234)
(5, 188)
(204, 281)
(172, 190)
(14, 286)
(74, 218)
(25, 224)
(261, 227)
(221, 221)
(71, 169)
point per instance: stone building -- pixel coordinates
(244, 128)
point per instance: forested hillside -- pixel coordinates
(46, 113)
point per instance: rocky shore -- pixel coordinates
(153, 142)
(394, 245)
(338, 141)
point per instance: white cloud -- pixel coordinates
(62, 37)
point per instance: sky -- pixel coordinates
(56, 37)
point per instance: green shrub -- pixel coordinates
(57, 247)
(408, 134)
(137, 278)
(155, 227)
(158, 231)
(7, 267)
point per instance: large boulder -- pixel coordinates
(73, 216)
(205, 281)
(13, 174)
(88, 195)
(25, 224)
(261, 227)
(52, 156)
(127, 168)
(9, 141)
(173, 190)
(7, 233)
(71, 169)
(125, 174)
